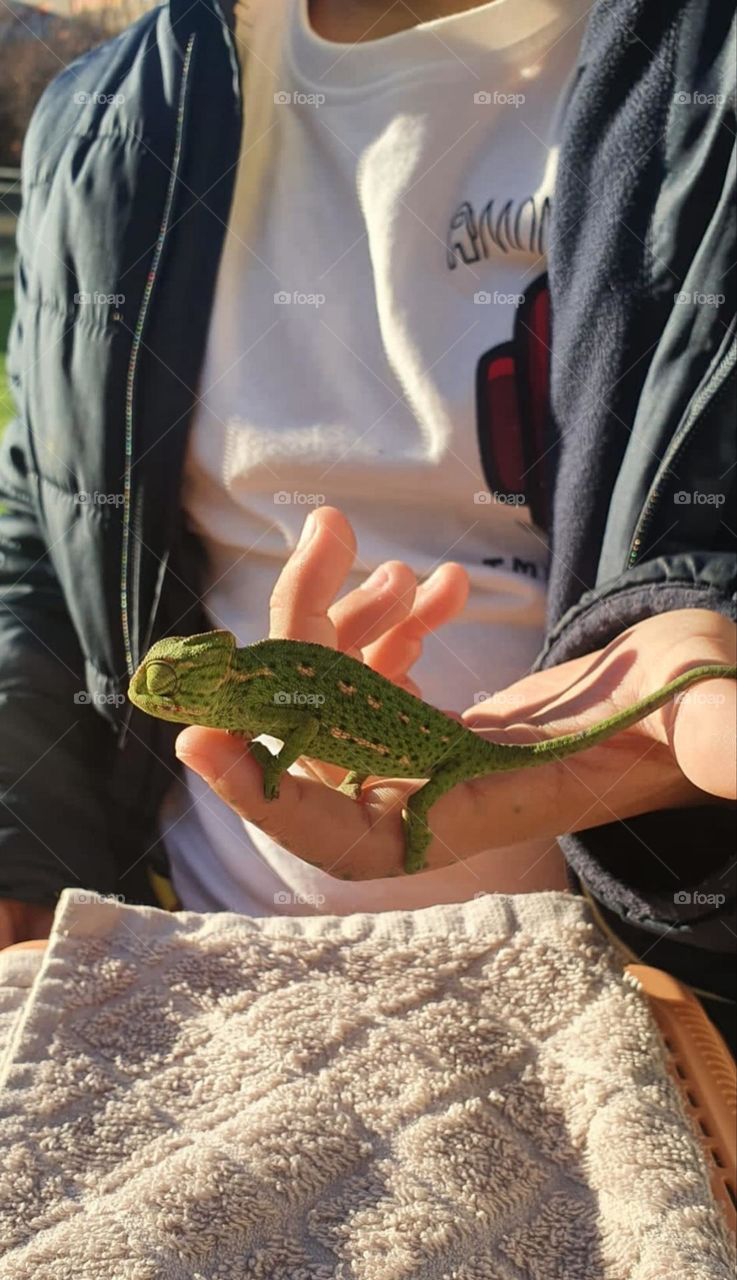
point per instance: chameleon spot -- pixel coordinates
(424, 728)
(239, 676)
(305, 671)
(403, 717)
(405, 760)
(336, 732)
(346, 688)
(445, 738)
(374, 702)
(372, 746)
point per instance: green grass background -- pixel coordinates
(6, 311)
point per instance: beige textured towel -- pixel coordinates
(472, 1092)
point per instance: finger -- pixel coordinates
(406, 682)
(313, 575)
(382, 601)
(20, 921)
(8, 932)
(438, 600)
(364, 840)
(39, 921)
(35, 944)
(318, 824)
(703, 736)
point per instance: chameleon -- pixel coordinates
(322, 703)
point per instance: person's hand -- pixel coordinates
(683, 754)
(383, 622)
(23, 921)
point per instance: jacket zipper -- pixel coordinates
(682, 437)
(132, 519)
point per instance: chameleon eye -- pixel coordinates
(161, 679)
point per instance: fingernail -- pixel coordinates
(379, 578)
(308, 528)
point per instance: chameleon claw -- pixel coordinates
(417, 838)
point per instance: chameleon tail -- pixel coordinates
(521, 755)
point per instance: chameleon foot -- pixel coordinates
(270, 765)
(417, 833)
(417, 836)
(352, 783)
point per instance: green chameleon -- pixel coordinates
(324, 704)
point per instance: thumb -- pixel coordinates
(703, 736)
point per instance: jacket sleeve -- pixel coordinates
(669, 874)
(55, 750)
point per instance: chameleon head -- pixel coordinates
(181, 676)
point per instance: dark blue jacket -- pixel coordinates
(128, 173)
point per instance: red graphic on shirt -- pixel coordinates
(513, 416)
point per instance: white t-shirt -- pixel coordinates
(390, 215)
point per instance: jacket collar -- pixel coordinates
(186, 18)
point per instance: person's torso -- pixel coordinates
(387, 238)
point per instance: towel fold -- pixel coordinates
(469, 1092)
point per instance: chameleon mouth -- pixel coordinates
(188, 714)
